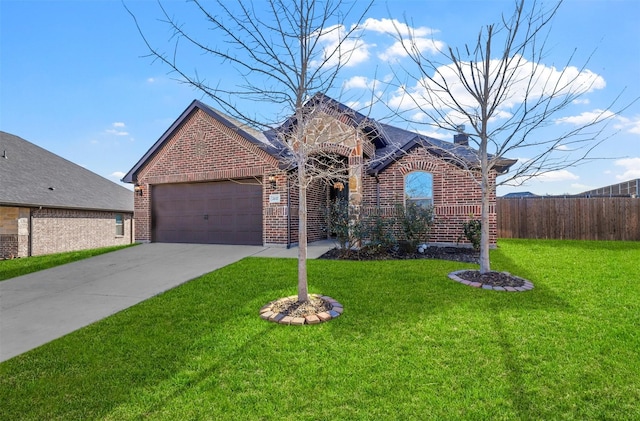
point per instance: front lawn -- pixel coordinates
(18, 267)
(411, 344)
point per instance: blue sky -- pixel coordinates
(74, 79)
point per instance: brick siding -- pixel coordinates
(456, 195)
(9, 246)
(204, 150)
(62, 230)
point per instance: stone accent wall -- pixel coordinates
(62, 230)
(14, 232)
(456, 195)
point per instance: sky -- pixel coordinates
(76, 79)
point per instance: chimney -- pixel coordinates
(461, 138)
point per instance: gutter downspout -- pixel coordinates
(288, 213)
(377, 190)
(30, 240)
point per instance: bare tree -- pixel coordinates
(287, 53)
(500, 90)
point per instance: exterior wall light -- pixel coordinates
(138, 189)
(272, 181)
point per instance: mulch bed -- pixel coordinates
(494, 279)
(457, 254)
(291, 307)
(490, 280)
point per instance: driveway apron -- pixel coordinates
(43, 306)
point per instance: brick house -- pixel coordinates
(211, 179)
(50, 205)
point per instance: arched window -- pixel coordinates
(418, 188)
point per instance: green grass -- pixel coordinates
(18, 267)
(411, 345)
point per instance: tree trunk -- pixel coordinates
(485, 265)
(303, 293)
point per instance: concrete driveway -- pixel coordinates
(42, 306)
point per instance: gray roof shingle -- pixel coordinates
(32, 176)
(391, 142)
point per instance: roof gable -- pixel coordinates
(343, 114)
(403, 141)
(32, 176)
(261, 140)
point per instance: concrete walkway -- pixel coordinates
(43, 306)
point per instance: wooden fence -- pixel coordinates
(599, 218)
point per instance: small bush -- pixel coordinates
(409, 226)
(415, 223)
(472, 231)
(379, 232)
(338, 222)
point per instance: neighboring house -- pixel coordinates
(210, 179)
(50, 205)
(519, 195)
(626, 188)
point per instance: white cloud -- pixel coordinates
(432, 133)
(353, 104)
(630, 125)
(586, 117)
(394, 26)
(562, 148)
(501, 115)
(361, 82)
(117, 132)
(631, 166)
(338, 50)
(151, 80)
(357, 50)
(418, 45)
(560, 175)
(406, 38)
(418, 117)
(578, 101)
(531, 81)
(118, 174)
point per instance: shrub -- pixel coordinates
(379, 232)
(471, 230)
(415, 223)
(412, 223)
(338, 221)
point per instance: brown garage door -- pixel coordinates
(224, 212)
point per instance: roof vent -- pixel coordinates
(52, 188)
(4, 154)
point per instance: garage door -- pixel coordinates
(225, 212)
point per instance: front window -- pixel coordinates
(119, 224)
(418, 188)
